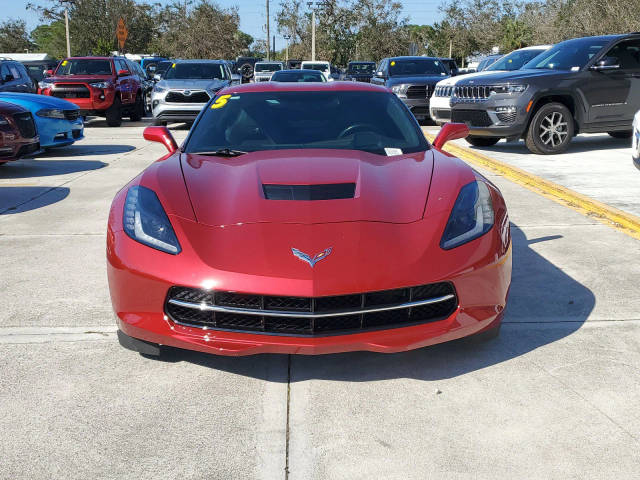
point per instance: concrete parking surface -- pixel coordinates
(555, 397)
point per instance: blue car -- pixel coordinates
(58, 122)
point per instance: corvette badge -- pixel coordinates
(308, 258)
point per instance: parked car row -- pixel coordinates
(583, 85)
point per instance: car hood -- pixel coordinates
(417, 79)
(229, 191)
(208, 84)
(510, 77)
(460, 78)
(30, 100)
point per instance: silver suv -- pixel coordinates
(186, 87)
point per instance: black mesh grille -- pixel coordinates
(180, 97)
(70, 90)
(25, 124)
(506, 117)
(301, 325)
(331, 191)
(420, 91)
(476, 118)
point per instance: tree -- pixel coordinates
(14, 37)
(50, 38)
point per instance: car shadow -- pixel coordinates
(28, 168)
(580, 144)
(541, 293)
(77, 150)
(21, 199)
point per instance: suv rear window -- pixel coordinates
(195, 71)
(84, 66)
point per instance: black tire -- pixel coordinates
(482, 141)
(551, 130)
(138, 109)
(147, 103)
(114, 113)
(246, 70)
(622, 134)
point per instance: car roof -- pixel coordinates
(300, 70)
(88, 57)
(200, 61)
(302, 87)
(413, 57)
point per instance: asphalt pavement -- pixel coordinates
(554, 397)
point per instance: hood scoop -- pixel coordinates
(328, 191)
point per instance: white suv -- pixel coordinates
(324, 67)
(262, 71)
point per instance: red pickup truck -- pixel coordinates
(103, 86)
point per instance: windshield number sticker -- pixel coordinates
(393, 64)
(64, 63)
(220, 102)
(173, 66)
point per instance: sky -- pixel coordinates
(252, 14)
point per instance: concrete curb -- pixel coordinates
(623, 221)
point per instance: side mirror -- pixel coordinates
(48, 73)
(157, 77)
(448, 132)
(161, 135)
(379, 74)
(123, 72)
(607, 63)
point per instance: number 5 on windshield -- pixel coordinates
(220, 101)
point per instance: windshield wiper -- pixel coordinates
(223, 152)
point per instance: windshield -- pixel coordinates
(419, 66)
(195, 71)
(487, 62)
(323, 67)
(515, 60)
(569, 55)
(267, 67)
(84, 67)
(346, 120)
(361, 67)
(298, 76)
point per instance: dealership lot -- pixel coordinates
(554, 397)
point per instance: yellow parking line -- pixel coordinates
(623, 221)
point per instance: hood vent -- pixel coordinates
(329, 191)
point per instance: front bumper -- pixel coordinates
(59, 132)
(484, 119)
(98, 102)
(440, 109)
(14, 147)
(635, 148)
(479, 270)
(418, 106)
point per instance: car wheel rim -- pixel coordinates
(553, 129)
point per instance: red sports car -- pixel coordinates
(306, 218)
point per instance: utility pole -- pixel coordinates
(450, 47)
(286, 55)
(268, 34)
(66, 26)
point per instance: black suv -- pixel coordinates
(360, 71)
(412, 79)
(15, 78)
(584, 85)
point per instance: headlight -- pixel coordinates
(50, 113)
(471, 216)
(399, 89)
(102, 85)
(158, 89)
(508, 89)
(146, 222)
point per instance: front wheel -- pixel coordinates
(114, 113)
(482, 141)
(623, 134)
(551, 130)
(138, 109)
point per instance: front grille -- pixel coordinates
(178, 113)
(25, 124)
(70, 90)
(443, 91)
(71, 115)
(476, 118)
(199, 96)
(331, 191)
(471, 92)
(420, 91)
(443, 114)
(311, 316)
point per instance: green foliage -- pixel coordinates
(14, 37)
(50, 39)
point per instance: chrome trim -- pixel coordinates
(280, 313)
